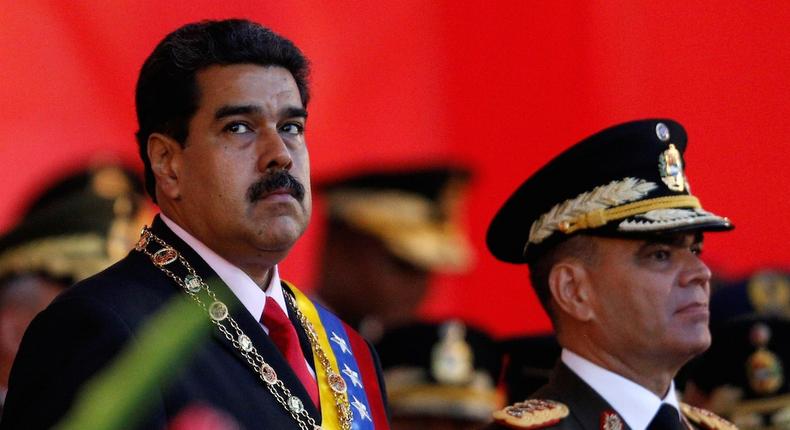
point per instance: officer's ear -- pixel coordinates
(164, 153)
(571, 289)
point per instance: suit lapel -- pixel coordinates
(586, 406)
(249, 325)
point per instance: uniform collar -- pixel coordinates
(242, 286)
(635, 404)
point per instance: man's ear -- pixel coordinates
(571, 289)
(164, 152)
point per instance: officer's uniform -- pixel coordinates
(627, 181)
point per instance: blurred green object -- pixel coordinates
(117, 397)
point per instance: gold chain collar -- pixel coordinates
(193, 285)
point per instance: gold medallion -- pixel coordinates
(193, 283)
(268, 374)
(245, 343)
(295, 404)
(164, 256)
(670, 167)
(218, 311)
(336, 383)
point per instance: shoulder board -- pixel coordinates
(531, 414)
(705, 419)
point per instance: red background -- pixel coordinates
(501, 86)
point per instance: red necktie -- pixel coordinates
(283, 333)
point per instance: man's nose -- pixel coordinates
(696, 272)
(273, 153)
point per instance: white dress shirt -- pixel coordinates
(251, 296)
(635, 404)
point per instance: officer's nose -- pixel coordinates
(696, 272)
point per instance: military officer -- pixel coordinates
(613, 236)
(389, 232)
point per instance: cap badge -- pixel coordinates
(769, 293)
(451, 358)
(662, 131)
(611, 421)
(670, 167)
(763, 367)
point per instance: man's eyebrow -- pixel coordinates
(292, 112)
(230, 110)
(674, 239)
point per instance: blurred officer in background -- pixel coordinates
(388, 231)
(612, 236)
(76, 227)
(440, 376)
(743, 374)
(528, 364)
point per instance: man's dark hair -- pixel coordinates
(167, 93)
(579, 246)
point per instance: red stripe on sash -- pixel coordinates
(369, 378)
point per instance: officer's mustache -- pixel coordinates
(276, 181)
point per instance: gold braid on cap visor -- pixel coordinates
(610, 202)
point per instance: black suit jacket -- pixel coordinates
(585, 404)
(87, 326)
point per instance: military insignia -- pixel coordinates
(670, 167)
(705, 418)
(769, 293)
(532, 414)
(611, 421)
(662, 132)
(452, 361)
(763, 368)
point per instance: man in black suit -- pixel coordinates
(613, 237)
(221, 107)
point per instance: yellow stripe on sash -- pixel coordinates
(329, 416)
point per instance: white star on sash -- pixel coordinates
(340, 342)
(353, 375)
(363, 411)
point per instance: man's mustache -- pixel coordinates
(276, 181)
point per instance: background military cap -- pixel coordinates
(413, 211)
(76, 226)
(744, 373)
(627, 180)
(441, 370)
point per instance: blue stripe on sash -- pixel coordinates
(347, 365)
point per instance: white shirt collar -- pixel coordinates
(245, 289)
(633, 402)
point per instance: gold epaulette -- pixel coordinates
(706, 419)
(532, 414)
